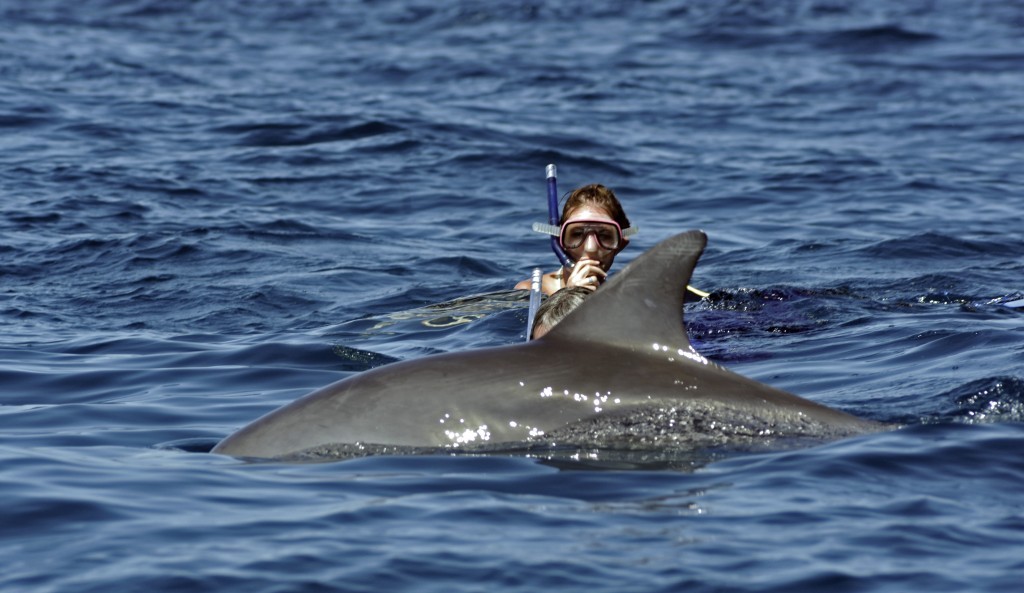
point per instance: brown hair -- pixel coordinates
(596, 195)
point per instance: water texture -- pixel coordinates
(210, 208)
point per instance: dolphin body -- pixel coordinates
(617, 372)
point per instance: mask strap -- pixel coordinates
(546, 229)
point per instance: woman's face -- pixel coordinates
(591, 247)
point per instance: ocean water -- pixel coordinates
(209, 208)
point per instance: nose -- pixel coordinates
(590, 244)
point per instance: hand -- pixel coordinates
(586, 273)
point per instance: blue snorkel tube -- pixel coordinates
(556, 246)
(552, 229)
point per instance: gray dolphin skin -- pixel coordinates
(617, 372)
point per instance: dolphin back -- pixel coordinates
(617, 372)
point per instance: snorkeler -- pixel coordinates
(592, 230)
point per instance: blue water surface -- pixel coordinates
(209, 208)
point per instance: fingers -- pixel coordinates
(587, 273)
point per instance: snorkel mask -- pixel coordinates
(573, 233)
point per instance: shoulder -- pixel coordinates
(549, 282)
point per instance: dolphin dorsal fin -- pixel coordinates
(642, 304)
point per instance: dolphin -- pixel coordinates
(618, 372)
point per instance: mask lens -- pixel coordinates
(575, 233)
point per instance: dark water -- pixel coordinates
(210, 208)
